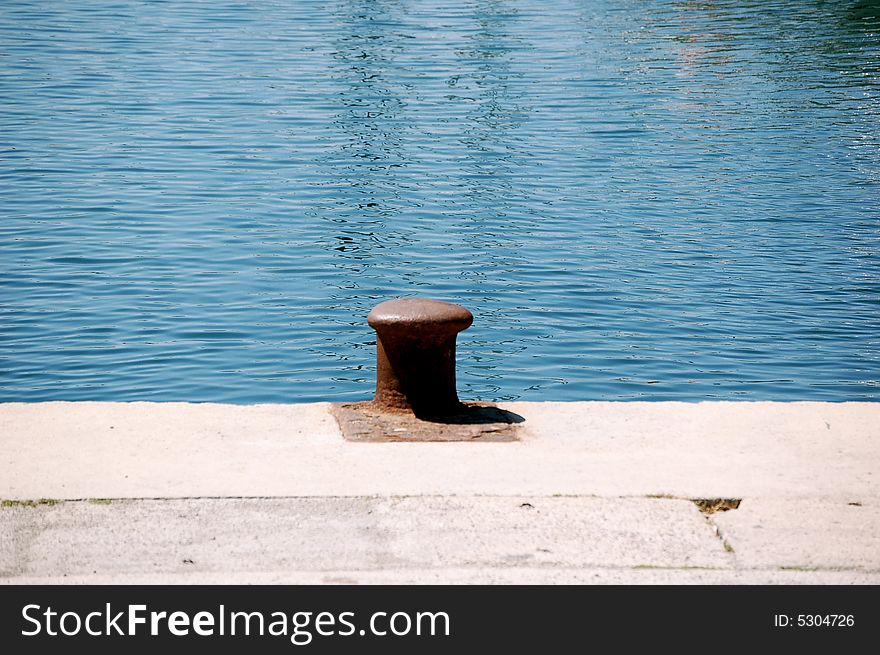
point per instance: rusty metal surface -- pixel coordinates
(481, 422)
(415, 354)
(424, 313)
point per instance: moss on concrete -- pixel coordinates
(50, 502)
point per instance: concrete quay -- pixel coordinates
(591, 492)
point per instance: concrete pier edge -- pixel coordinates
(593, 492)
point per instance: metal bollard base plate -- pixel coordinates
(475, 422)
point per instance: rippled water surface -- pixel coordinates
(638, 200)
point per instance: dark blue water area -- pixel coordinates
(638, 200)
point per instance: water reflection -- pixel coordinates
(491, 208)
(362, 172)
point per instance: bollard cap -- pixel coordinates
(420, 313)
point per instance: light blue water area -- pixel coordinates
(638, 200)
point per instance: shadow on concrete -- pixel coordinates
(474, 414)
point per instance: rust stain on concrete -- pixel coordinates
(477, 422)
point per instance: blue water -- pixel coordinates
(637, 200)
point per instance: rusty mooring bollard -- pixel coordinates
(415, 354)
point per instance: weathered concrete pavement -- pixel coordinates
(593, 493)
